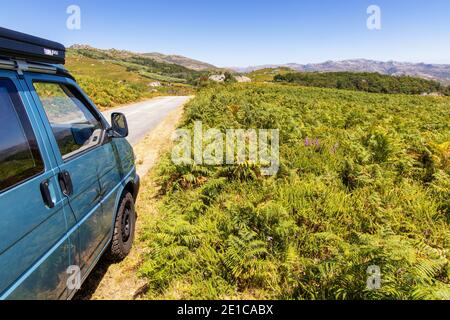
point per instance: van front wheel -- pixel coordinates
(124, 228)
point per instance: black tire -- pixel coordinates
(124, 229)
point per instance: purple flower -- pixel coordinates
(317, 142)
(307, 142)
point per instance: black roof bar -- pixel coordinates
(25, 47)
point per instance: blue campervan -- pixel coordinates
(68, 181)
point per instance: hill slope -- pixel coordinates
(143, 65)
(114, 77)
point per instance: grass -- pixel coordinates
(373, 189)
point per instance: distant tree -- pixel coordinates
(369, 82)
(229, 78)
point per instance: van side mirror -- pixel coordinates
(119, 125)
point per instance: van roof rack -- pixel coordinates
(21, 46)
(22, 66)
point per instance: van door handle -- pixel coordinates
(65, 182)
(46, 195)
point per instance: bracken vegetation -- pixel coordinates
(364, 180)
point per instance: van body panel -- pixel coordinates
(110, 184)
(126, 155)
(39, 242)
(96, 176)
(31, 230)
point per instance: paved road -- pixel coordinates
(144, 116)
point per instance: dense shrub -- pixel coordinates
(107, 93)
(364, 180)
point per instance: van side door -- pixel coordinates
(78, 136)
(34, 248)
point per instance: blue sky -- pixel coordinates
(246, 32)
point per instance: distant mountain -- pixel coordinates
(180, 60)
(438, 72)
(256, 68)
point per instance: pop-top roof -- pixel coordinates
(22, 46)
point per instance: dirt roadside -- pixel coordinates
(120, 281)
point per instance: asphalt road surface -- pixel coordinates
(143, 117)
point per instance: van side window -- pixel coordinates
(20, 158)
(74, 126)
